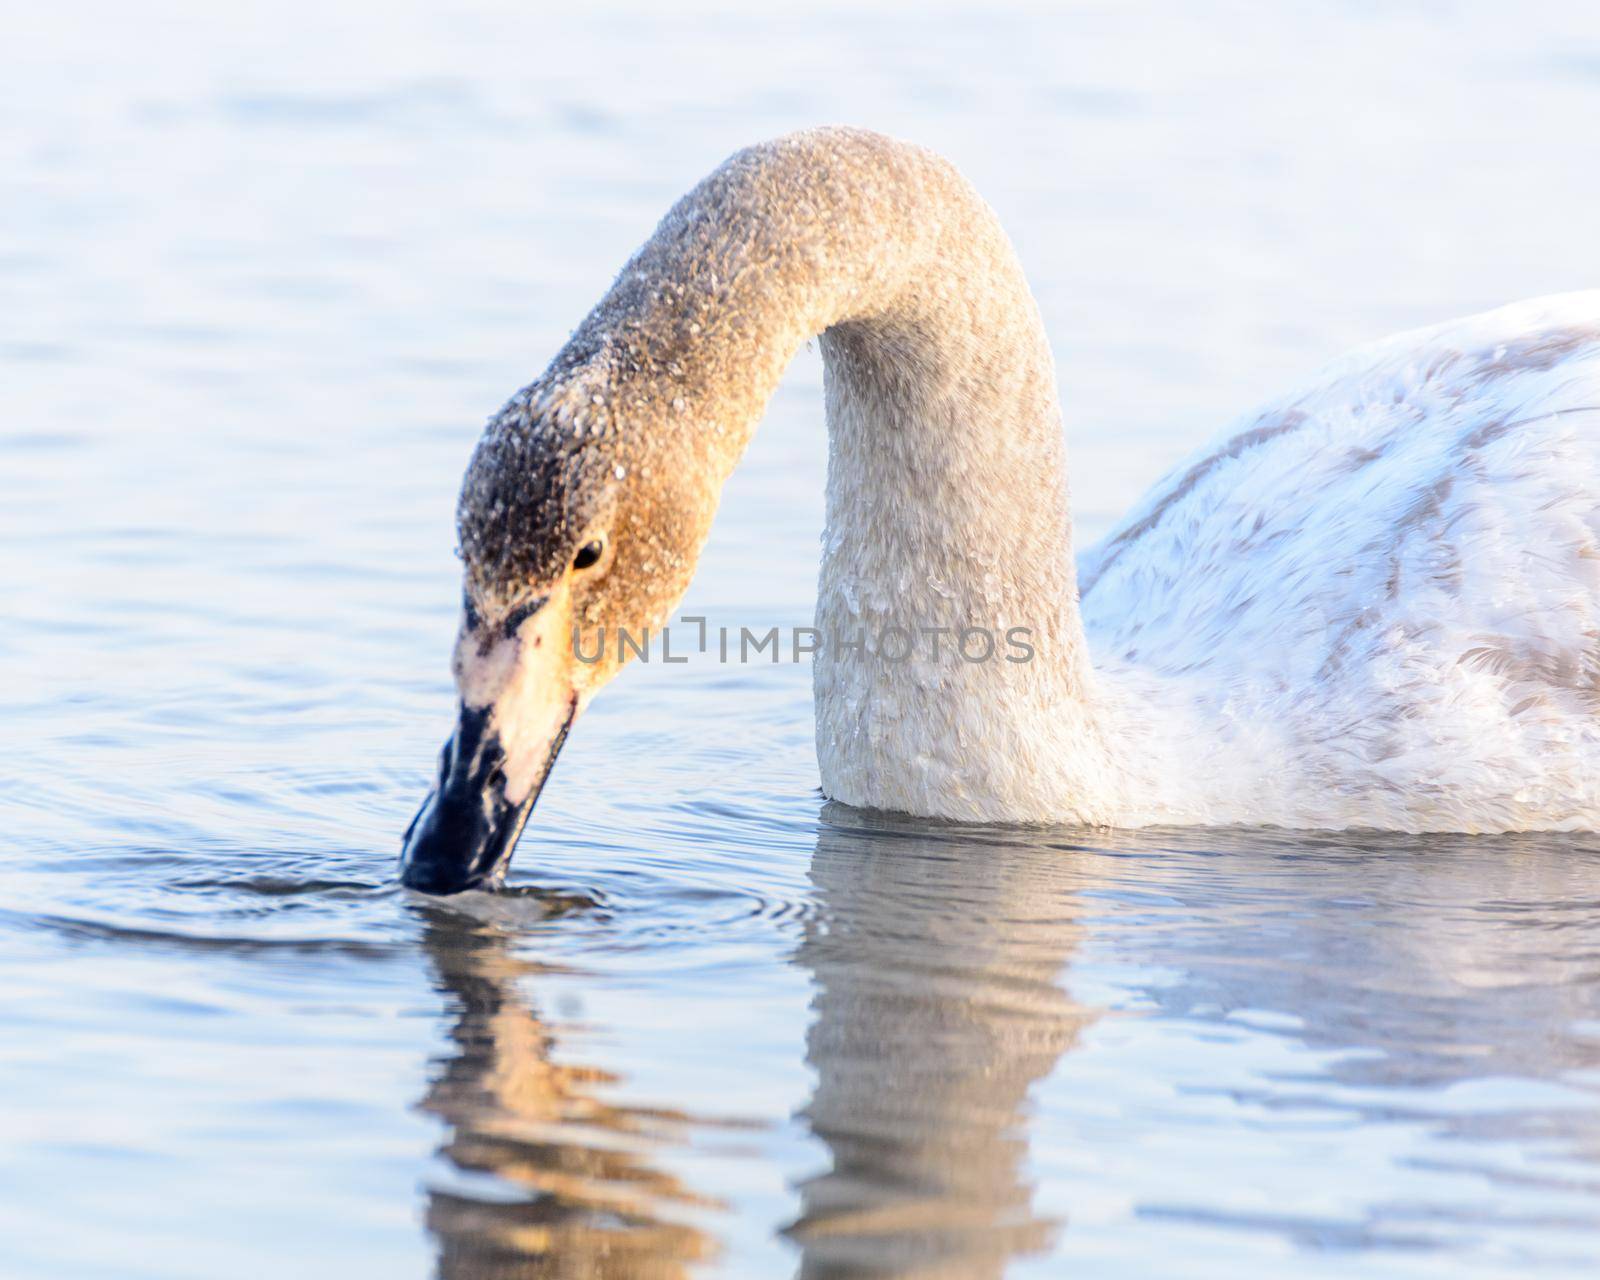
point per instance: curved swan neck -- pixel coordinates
(947, 496)
(781, 242)
(817, 230)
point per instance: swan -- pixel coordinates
(1373, 602)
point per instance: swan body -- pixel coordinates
(1379, 597)
(1374, 603)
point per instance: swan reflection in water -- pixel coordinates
(1427, 976)
(935, 964)
(1448, 988)
(584, 1199)
(936, 959)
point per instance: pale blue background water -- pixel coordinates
(264, 271)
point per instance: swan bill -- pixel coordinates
(467, 829)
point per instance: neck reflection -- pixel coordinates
(937, 958)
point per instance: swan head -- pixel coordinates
(577, 519)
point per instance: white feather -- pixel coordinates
(1375, 602)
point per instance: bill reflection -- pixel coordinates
(574, 1190)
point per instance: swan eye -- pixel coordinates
(588, 555)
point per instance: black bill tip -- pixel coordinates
(463, 836)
